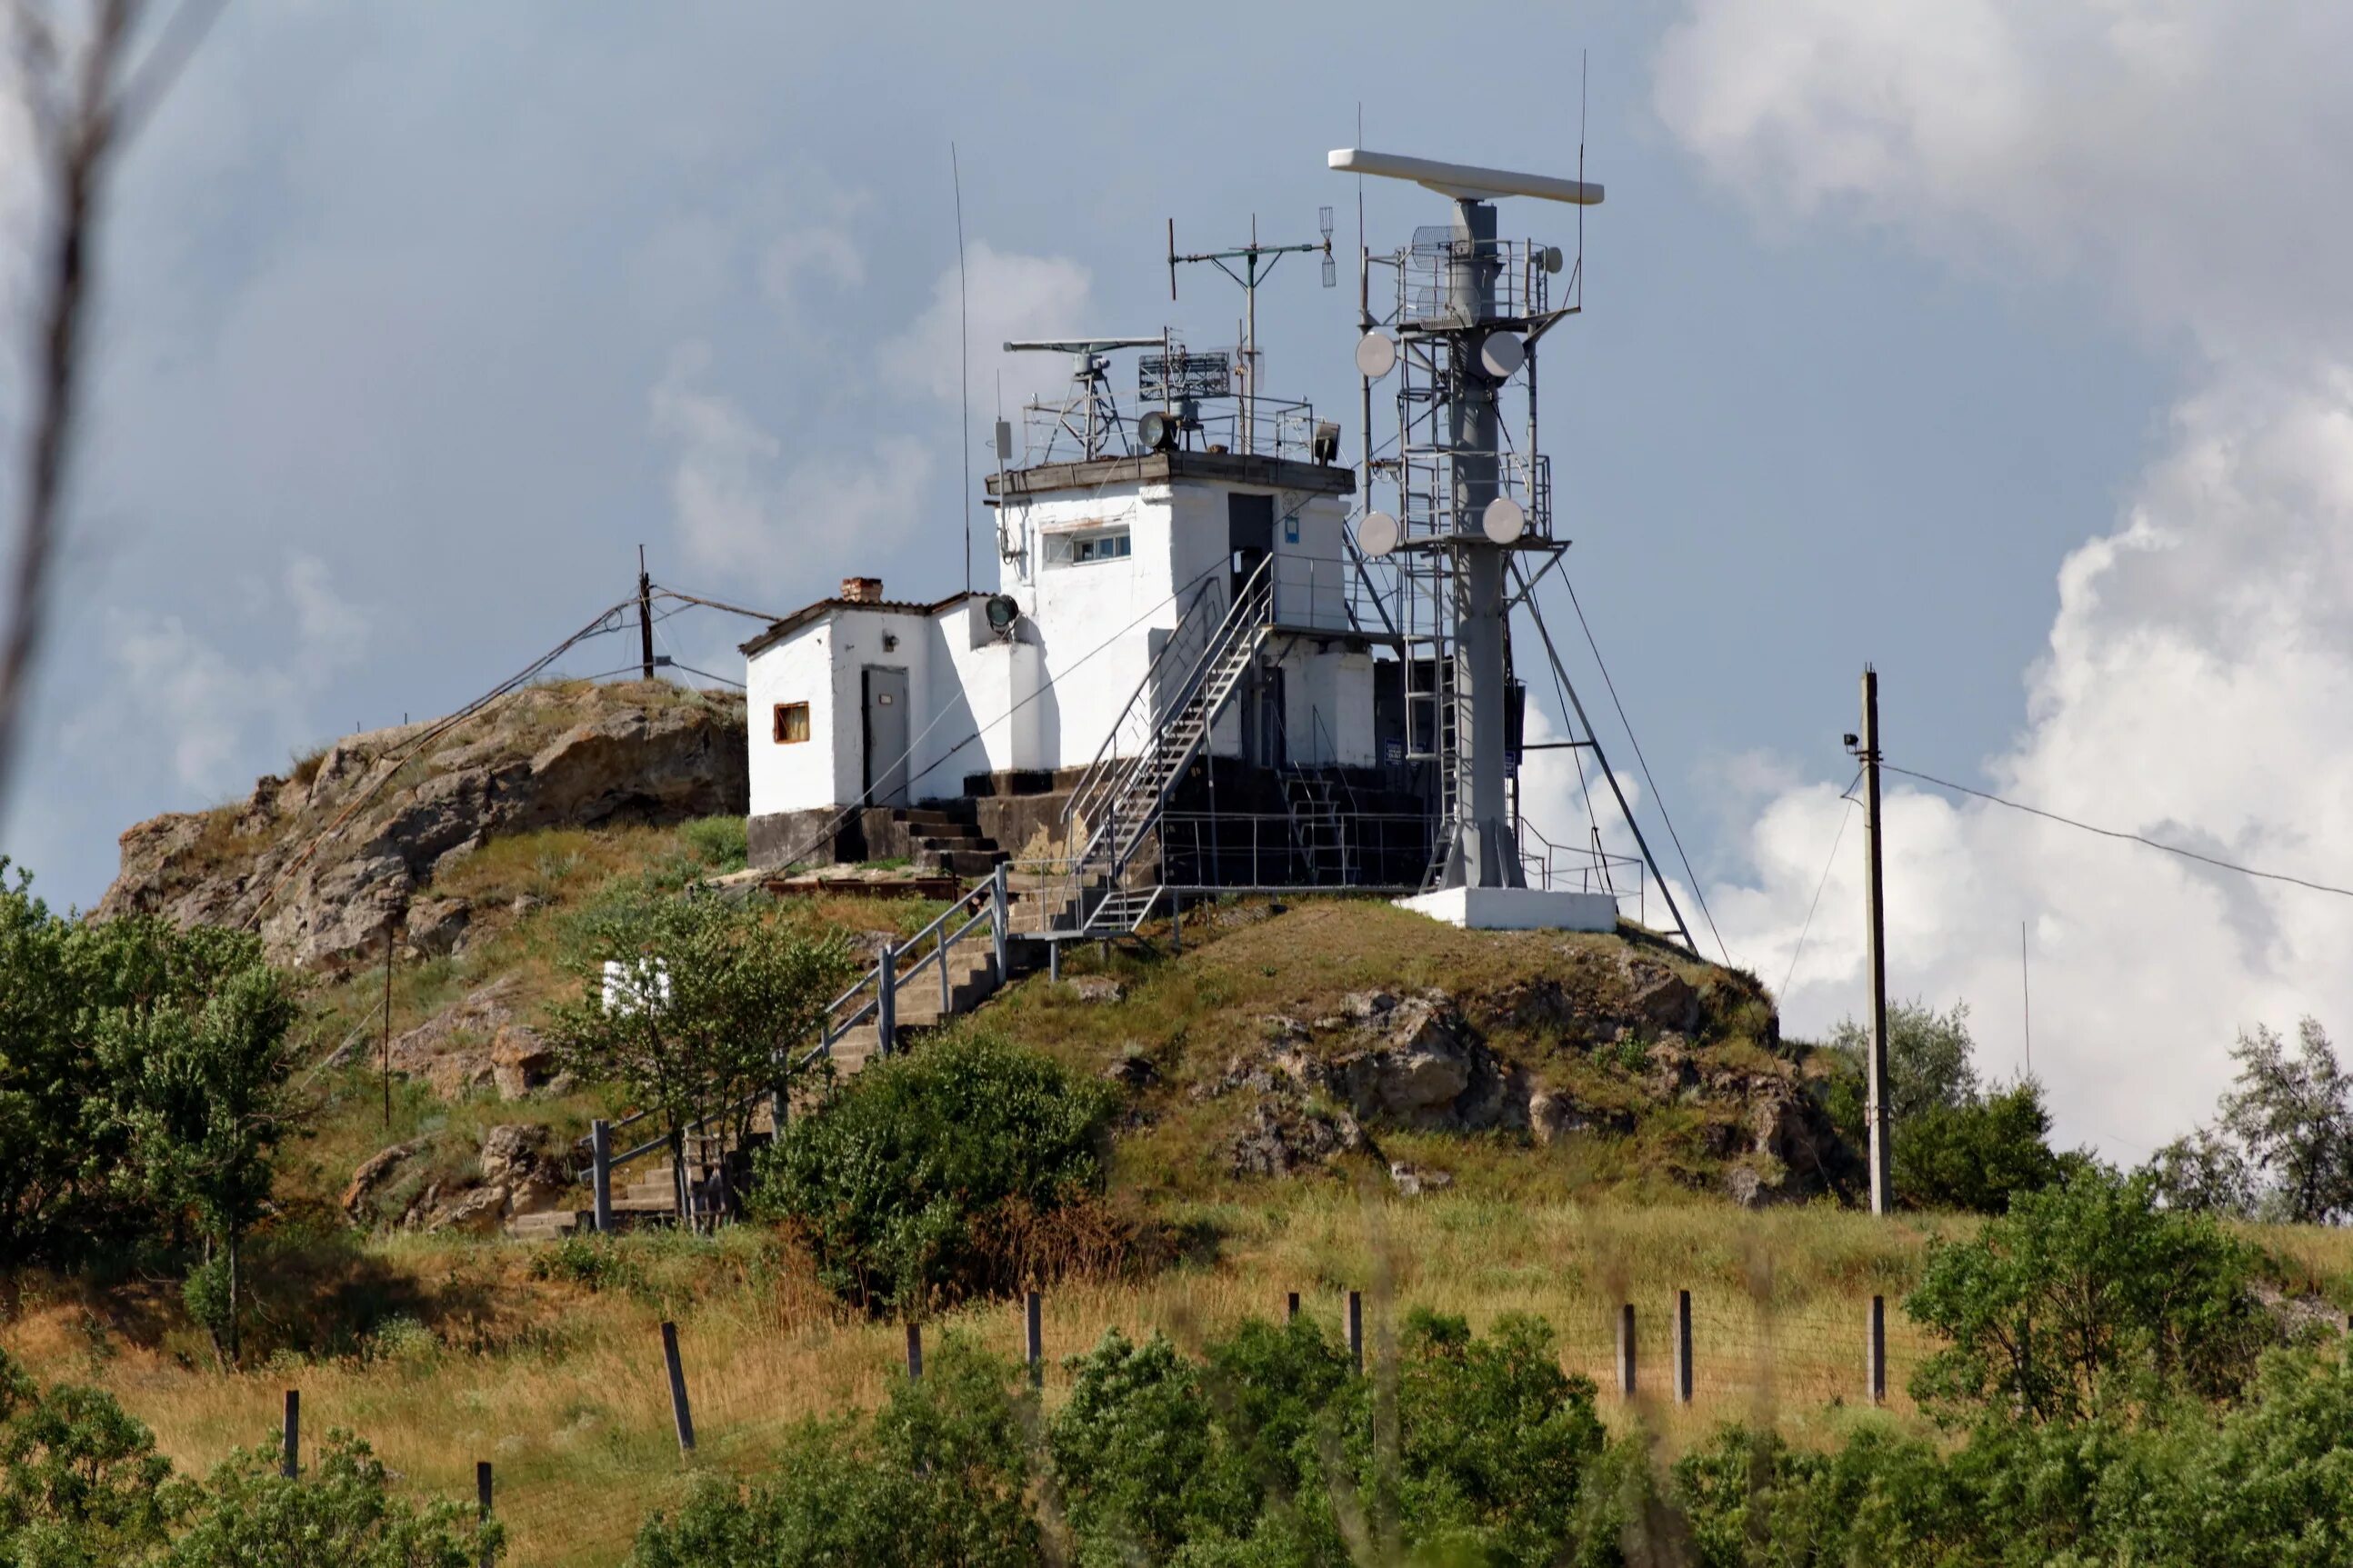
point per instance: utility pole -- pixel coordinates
(387, 1027)
(645, 613)
(1875, 911)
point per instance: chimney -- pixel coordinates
(862, 590)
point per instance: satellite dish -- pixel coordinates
(1504, 521)
(1157, 431)
(1377, 533)
(1002, 610)
(1376, 355)
(1501, 354)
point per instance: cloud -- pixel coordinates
(173, 684)
(746, 507)
(1010, 295)
(2191, 163)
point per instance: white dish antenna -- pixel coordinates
(1501, 354)
(1376, 534)
(1376, 355)
(1463, 182)
(1504, 521)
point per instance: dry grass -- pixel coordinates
(564, 1391)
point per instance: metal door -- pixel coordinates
(886, 735)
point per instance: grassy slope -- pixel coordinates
(561, 1386)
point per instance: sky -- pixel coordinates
(2003, 345)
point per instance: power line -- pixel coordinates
(2129, 837)
(1656, 798)
(1846, 795)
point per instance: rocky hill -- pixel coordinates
(342, 851)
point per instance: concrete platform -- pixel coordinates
(1516, 908)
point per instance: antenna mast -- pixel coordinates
(1257, 261)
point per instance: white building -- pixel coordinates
(860, 701)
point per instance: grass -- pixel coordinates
(557, 1379)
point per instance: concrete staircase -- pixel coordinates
(938, 840)
(650, 1194)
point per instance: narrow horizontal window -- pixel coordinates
(792, 722)
(1084, 549)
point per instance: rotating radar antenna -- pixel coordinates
(1472, 531)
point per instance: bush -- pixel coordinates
(721, 842)
(2088, 1296)
(898, 1176)
(1977, 1156)
(80, 1482)
(341, 1510)
(939, 1476)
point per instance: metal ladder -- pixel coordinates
(1442, 753)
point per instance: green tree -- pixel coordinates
(197, 1051)
(2204, 1172)
(52, 1151)
(894, 1176)
(2087, 1296)
(1930, 1057)
(1977, 1157)
(713, 999)
(80, 1483)
(2293, 1115)
(340, 1512)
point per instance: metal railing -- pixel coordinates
(873, 997)
(1583, 868)
(1171, 673)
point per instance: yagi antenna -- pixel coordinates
(1463, 182)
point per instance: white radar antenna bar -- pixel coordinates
(1463, 182)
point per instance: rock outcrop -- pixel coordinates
(414, 1187)
(335, 860)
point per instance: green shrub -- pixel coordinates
(721, 842)
(2088, 1296)
(341, 1510)
(594, 1261)
(900, 1178)
(939, 1476)
(80, 1482)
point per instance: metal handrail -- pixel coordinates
(1210, 593)
(987, 901)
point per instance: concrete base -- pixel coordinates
(1516, 908)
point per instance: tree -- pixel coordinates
(2204, 1172)
(2293, 1116)
(1979, 1156)
(1929, 1056)
(80, 1483)
(199, 1055)
(49, 1163)
(709, 1000)
(2084, 1296)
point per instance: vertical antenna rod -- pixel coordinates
(963, 366)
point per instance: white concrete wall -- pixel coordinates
(805, 774)
(1334, 686)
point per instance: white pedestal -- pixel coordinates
(1516, 908)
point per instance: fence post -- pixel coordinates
(1177, 922)
(1054, 961)
(482, 1498)
(1290, 1313)
(678, 1406)
(886, 1000)
(940, 952)
(1034, 1316)
(997, 904)
(1682, 1348)
(1875, 1351)
(1626, 1348)
(914, 1352)
(600, 1178)
(291, 1465)
(1356, 1329)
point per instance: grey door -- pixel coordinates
(886, 735)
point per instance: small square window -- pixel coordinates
(792, 722)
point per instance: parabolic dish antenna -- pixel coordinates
(1501, 354)
(1376, 355)
(1504, 521)
(1377, 533)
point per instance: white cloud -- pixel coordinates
(746, 507)
(1010, 295)
(174, 684)
(2190, 162)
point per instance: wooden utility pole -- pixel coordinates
(387, 1027)
(1875, 911)
(645, 614)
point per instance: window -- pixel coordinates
(792, 722)
(1084, 549)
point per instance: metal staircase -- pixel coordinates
(1119, 802)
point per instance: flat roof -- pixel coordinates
(1240, 468)
(779, 630)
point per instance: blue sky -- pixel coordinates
(419, 318)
